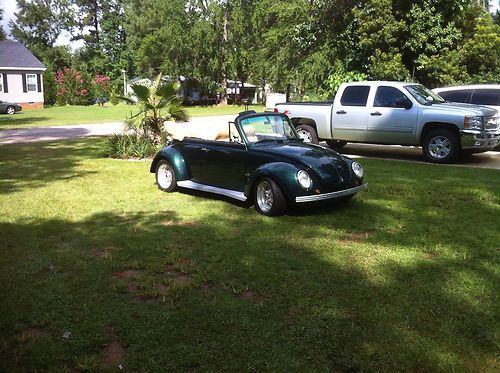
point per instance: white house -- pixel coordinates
(20, 76)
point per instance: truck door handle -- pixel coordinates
(341, 112)
(376, 114)
(205, 149)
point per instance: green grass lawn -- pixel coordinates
(61, 115)
(100, 268)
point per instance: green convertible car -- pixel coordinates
(258, 158)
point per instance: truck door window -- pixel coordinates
(486, 97)
(387, 97)
(457, 95)
(356, 95)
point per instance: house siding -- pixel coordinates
(16, 94)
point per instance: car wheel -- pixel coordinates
(269, 199)
(10, 110)
(307, 133)
(165, 176)
(336, 144)
(441, 146)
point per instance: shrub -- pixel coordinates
(130, 146)
(71, 88)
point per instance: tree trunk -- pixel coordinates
(223, 97)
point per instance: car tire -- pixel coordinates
(307, 133)
(165, 176)
(10, 110)
(336, 144)
(441, 146)
(268, 198)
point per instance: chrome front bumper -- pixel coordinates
(479, 140)
(324, 196)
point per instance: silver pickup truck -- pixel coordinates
(397, 113)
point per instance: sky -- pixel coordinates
(10, 6)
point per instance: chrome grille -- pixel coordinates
(491, 123)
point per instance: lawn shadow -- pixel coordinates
(19, 120)
(47, 162)
(255, 285)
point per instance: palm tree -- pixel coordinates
(157, 103)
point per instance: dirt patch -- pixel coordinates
(113, 355)
(208, 285)
(252, 296)
(356, 237)
(178, 277)
(127, 274)
(33, 333)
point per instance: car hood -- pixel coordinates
(465, 109)
(329, 166)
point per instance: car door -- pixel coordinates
(194, 156)
(349, 115)
(223, 165)
(392, 117)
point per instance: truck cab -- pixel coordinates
(397, 113)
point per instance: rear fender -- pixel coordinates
(172, 155)
(284, 174)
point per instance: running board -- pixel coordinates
(188, 184)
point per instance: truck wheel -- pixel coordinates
(268, 198)
(441, 146)
(336, 144)
(307, 133)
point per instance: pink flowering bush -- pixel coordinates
(101, 87)
(71, 87)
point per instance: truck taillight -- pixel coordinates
(276, 110)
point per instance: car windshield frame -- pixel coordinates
(422, 94)
(266, 127)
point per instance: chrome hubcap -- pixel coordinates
(164, 176)
(306, 136)
(439, 147)
(265, 196)
(10, 110)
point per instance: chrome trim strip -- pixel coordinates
(188, 184)
(321, 197)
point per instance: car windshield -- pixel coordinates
(267, 127)
(424, 95)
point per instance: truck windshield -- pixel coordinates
(267, 127)
(424, 95)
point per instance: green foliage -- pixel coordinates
(157, 103)
(130, 146)
(338, 77)
(292, 45)
(387, 66)
(2, 32)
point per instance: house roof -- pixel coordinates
(15, 56)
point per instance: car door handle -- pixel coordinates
(376, 114)
(205, 149)
(341, 112)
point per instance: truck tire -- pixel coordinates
(441, 146)
(307, 133)
(336, 144)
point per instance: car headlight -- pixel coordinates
(473, 123)
(357, 169)
(304, 179)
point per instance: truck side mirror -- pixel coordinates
(404, 103)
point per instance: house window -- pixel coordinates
(1, 82)
(31, 82)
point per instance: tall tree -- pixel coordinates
(39, 23)
(2, 32)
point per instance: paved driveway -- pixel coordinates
(394, 152)
(414, 154)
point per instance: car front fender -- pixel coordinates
(172, 155)
(284, 174)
